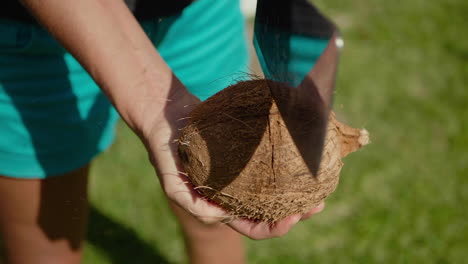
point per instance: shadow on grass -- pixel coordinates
(121, 244)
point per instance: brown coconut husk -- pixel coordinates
(237, 151)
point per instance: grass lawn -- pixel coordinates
(403, 199)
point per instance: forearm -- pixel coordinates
(104, 36)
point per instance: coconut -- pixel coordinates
(238, 152)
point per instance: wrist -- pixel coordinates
(156, 104)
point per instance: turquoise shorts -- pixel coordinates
(54, 118)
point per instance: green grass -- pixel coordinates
(402, 199)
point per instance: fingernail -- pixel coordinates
(320, 207)
(296, 219)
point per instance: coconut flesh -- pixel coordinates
(238, 152)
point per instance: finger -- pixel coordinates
(263, 230)
(313, 211)
(181, 192)
(284, 226)
(203, 218)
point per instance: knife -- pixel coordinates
(298, 47)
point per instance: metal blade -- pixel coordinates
(297, 47)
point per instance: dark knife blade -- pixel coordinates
(297, 47)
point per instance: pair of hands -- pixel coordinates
(160, 142)
(106, 51)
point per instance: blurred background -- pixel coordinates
(402, 199)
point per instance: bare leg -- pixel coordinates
(44, 221)
(210, 244)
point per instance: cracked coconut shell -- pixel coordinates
(238, 152)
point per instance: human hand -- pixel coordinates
(160, 140)
(126, 66)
